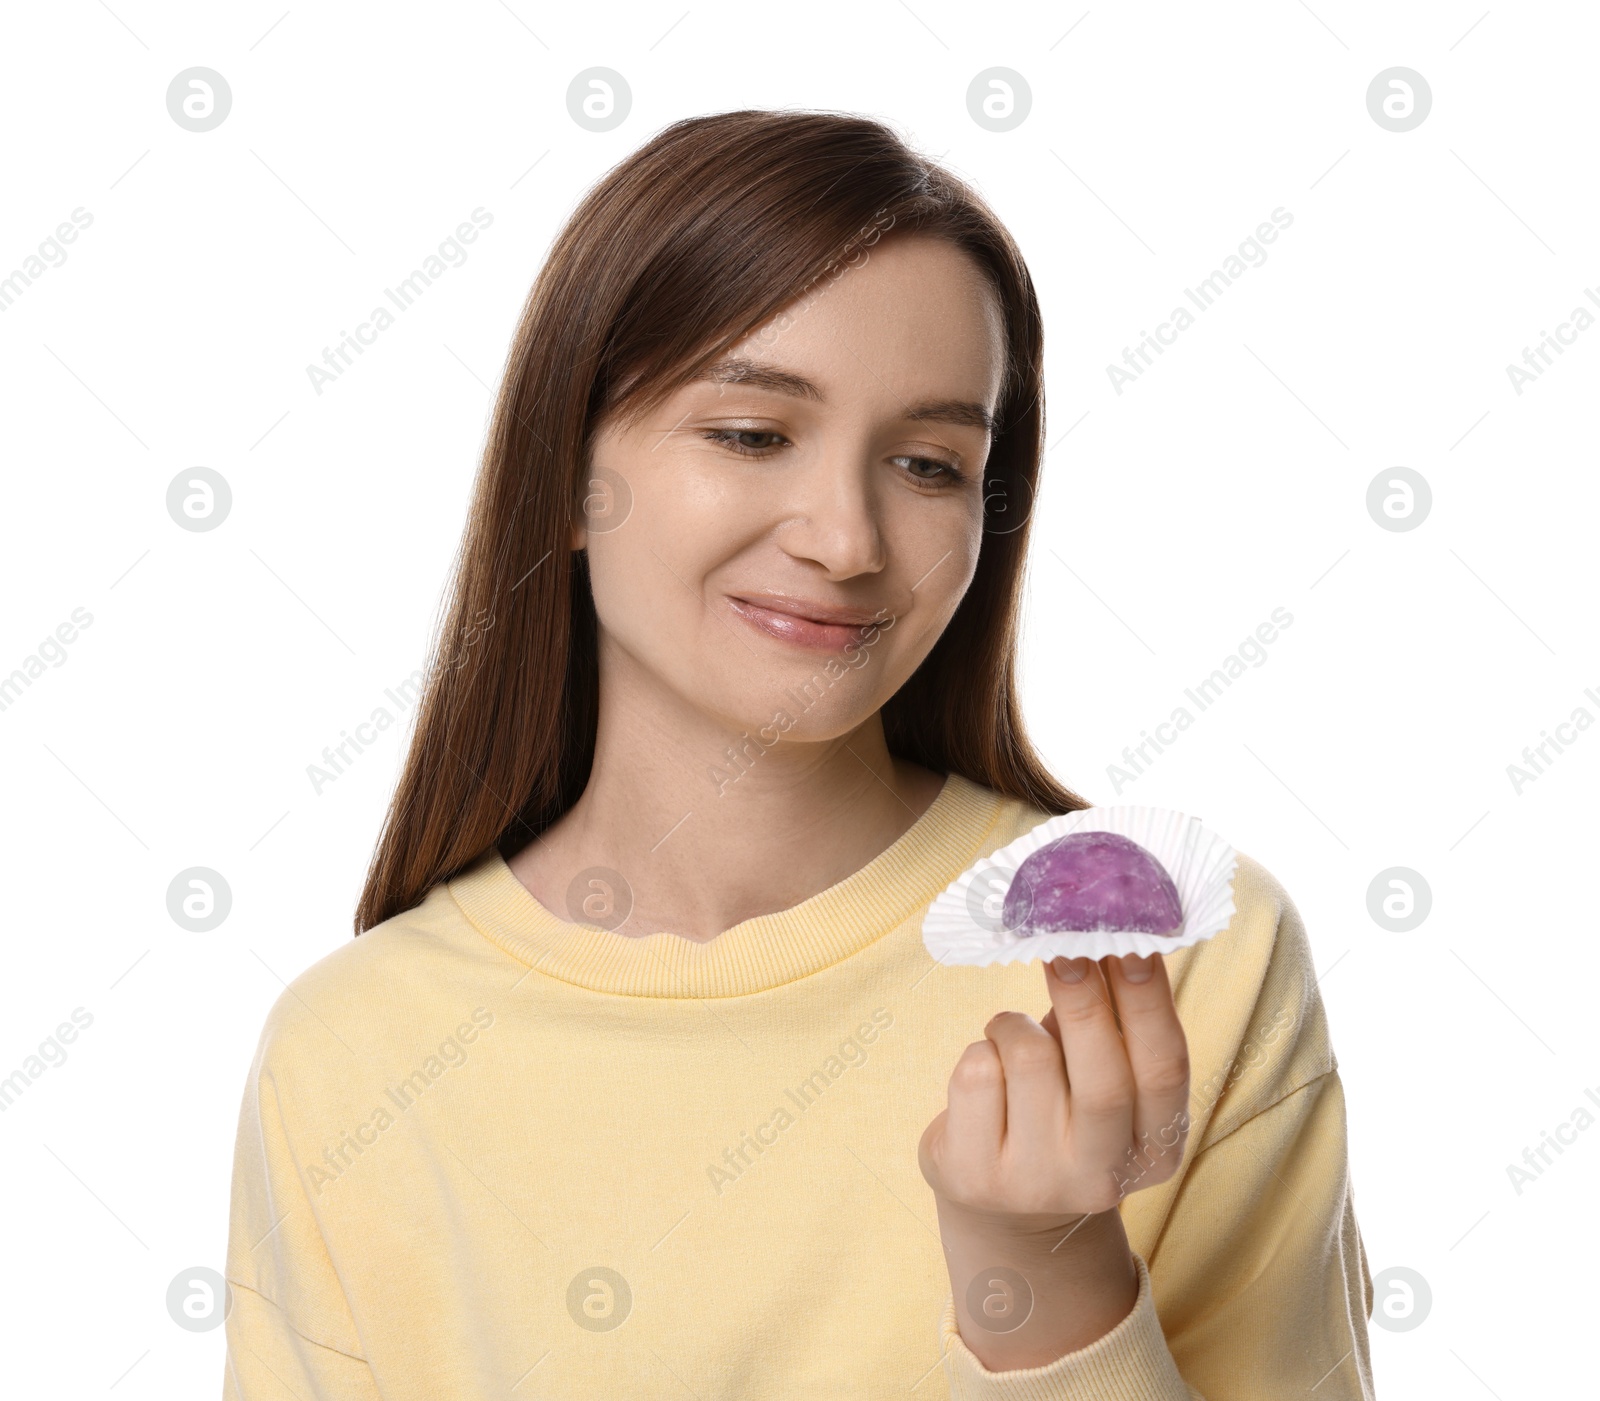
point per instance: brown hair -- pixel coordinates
(688, 245)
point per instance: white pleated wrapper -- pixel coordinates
(963, 924)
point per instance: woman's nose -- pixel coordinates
(835, 521)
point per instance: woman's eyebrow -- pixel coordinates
(769, 377)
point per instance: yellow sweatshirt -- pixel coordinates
(485, 1153)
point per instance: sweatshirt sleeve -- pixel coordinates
(269, 1360)
(1130, 1363)
(1270, 1287)
(289, 1327)
(1270, 1297)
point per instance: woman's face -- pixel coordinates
(779, 545)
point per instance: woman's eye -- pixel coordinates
(734, 439)
(937, 473)
(760, 442)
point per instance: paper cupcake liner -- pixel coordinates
(964, 924)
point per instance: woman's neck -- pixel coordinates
(692, 838)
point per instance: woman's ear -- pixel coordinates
(578, 533)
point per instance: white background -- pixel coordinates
(1230, 479)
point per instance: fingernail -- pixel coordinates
(1071, 970)
(1138, 970)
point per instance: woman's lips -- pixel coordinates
(802, 632)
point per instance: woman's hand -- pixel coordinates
(1048, 1126)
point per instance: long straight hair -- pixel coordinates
(691, 243)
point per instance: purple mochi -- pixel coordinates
(1091, 881)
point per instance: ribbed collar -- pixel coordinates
(761, 953)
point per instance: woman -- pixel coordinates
(639, 1080)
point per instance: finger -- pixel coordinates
(1158, 1056)
(1100, 1085)
(1036, 1091)
(975, 1115)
